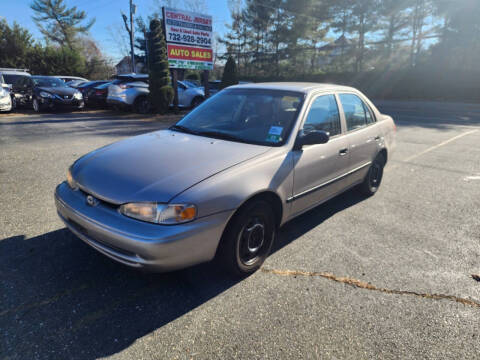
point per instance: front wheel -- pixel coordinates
(372, 181)
(36, 105)
(248, 239)
(142, 105)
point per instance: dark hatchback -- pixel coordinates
(97, 95)
(46, 92)
(88, 87)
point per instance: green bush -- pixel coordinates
(193, 76)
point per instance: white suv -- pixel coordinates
(131, 90)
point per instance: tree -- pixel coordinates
(161, 93)
(394, 22)
(15, 44)
(59, 23)
(229, 74)
(50, 60)
(364, 21)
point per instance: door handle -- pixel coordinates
(377, 138)
(343, 152)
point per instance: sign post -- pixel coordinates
(189, 43)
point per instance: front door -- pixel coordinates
(319, 168)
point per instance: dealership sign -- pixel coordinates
(189, 39)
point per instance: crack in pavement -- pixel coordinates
(367, 286)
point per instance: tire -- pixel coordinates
(14, 103)
(141, 105)
(196, 101)
(36, 105)
(373, 179)
(248, 239)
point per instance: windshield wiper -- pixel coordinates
(220, 135)
(184, 129)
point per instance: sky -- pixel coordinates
(109, 21)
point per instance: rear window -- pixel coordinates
(11, 78)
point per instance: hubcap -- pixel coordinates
(252, 240)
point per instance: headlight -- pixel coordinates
(45, 94)
(73, 185)
(3, 92)
(77, 95)
(167, 214)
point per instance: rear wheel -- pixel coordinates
(248, 239)
(372, 181)
(141, 105)
(196, 101)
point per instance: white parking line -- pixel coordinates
(439, 145)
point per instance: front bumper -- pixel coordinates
(61, 103)
(135, 243)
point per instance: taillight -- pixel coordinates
(99, 92)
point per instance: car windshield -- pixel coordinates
(255, 116)
(48, 82)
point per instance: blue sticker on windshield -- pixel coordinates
(275, 130)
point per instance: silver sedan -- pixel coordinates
(221, 182)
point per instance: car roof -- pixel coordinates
(305, 87)
(14, 72)
(132, 75)
(69, 77)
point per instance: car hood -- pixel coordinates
(156, 166)
(58, 90)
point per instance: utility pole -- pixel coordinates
(131, 32)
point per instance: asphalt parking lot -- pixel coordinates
(382, 277)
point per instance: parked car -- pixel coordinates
(46, 92)
(70, 78)
(130, 91)
(76, 83)
(214, 86)
(5, 98)
(97, 95)
(86, 87)
(222, 180)
(10, 76)
(189, 96)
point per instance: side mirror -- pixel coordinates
(311, 138)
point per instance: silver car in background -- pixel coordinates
(129, 91)
(220, 182)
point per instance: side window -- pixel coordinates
(354, 110)
(368, 114)
(324, 115)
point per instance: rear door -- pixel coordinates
(319, 168)
(362, 134)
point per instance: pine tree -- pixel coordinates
(229, 74)
(59, 23)
(161, 93)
